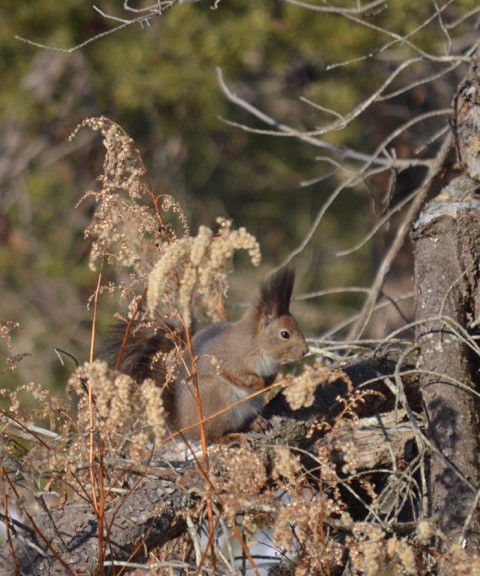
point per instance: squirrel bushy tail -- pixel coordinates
(140, 357)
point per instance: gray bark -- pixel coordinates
(447, 248)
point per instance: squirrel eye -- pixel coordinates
(285, 334)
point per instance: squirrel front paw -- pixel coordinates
(260, 425)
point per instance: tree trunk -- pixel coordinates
(447, 253)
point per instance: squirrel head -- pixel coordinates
(279, 337)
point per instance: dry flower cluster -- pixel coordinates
(182, 272)
(199, 266)
(300, 391)
(123, 229)
(123, 408)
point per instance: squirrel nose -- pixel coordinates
(305, 350)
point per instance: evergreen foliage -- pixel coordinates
(159, 82)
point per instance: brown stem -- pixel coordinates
(7, 522)
(129, 328)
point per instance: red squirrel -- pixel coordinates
(233, 360)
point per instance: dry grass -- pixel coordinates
(311, 505)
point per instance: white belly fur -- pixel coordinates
(267, 366)
(246, 410)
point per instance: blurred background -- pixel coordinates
(158, 80)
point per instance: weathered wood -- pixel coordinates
(372, 442)
(148, 517)
(153, 513)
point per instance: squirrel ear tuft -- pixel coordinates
(276, 292)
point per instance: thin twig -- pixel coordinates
(397, 243)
